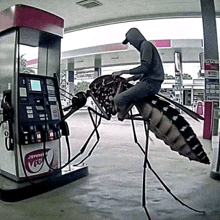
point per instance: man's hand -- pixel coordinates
(119, 73)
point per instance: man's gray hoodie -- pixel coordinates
(151, 65)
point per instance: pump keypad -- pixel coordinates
(39, 109)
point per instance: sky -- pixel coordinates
(182, 28)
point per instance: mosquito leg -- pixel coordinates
(96, 124)
(146, 128)
(135, 135)
(156, 175)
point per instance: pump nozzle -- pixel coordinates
(78, 101)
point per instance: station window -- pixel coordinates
(28, 59)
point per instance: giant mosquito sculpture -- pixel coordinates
(157, 115)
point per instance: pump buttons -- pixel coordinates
(50, 135)
(38, 134)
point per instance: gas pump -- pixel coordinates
(31, 117)
(39, 115)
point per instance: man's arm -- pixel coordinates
(119, 73)
(132, 78)
(146, 59)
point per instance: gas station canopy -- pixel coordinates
(81, 14)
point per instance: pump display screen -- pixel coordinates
(35, 85)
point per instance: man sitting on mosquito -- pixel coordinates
(150, 74)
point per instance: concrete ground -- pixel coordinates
(113, 188)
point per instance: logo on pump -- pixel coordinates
(34, 160)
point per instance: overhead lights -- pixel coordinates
(89, 3)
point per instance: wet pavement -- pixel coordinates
(113, 188)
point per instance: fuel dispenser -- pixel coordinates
(39, 116)
(31, 125)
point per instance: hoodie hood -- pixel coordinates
(135, 38)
